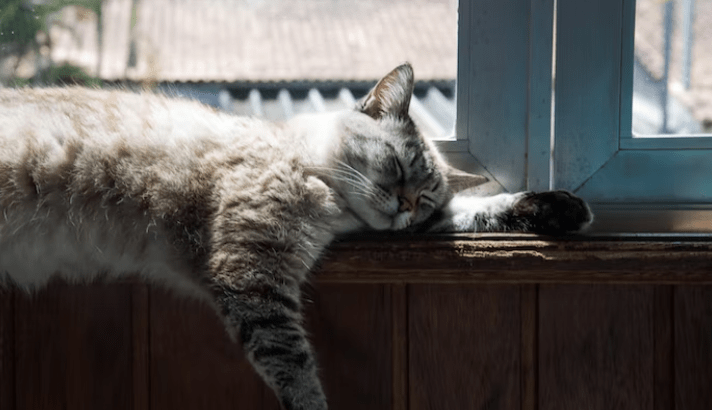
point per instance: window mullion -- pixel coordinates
(493, 86)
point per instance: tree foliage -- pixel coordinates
(19, 23)
(22, 20)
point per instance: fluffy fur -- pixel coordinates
(230, 209)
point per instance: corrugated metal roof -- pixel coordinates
(262, 41)
(432, 106)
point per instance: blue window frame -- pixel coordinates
(658, 184)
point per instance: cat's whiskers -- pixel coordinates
(359, 188)
(352, 177)
(371, 188)
(353, 171)
(352, 174)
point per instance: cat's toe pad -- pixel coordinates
(554, 212)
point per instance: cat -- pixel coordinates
(233, 210)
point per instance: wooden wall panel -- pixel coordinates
(529, 301)
(73, 348)
(399, 340)
(194, 364)
(7, 348)
(693, 347)
(596, 347)
(464, 347)
(663, 347)
(140, 346)
(352, 333)
(406, 341)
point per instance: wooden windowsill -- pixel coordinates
(518, 258)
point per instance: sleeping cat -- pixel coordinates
(230, 209)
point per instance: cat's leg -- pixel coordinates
(270, 328)
(553, 213)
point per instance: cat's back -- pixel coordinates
(128, 173)
(44, 119)
(49, 136)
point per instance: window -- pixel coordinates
(644, 184)
(504, 92)
(672, 93)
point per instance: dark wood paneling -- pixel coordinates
(663, 342)
(402, 322)
(464, 347)
(7, 348)
(529, 345)
(596, 347)
(269, 400)
(399, 315)
(194, 364)
(140, 346)
(73, 348)
(693, 347)
(352, 333)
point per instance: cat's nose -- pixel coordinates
(404, 204)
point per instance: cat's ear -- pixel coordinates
(391, 96)
(461, 180)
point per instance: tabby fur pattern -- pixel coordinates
(232, 210)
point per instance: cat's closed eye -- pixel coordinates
(400, 175)
(426, 200)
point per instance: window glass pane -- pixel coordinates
(672, 88)
(272, 58)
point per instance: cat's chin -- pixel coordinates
(388, 222)
(401, 221)
(380, 222)
(376, 220)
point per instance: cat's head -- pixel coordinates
(390, 175)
